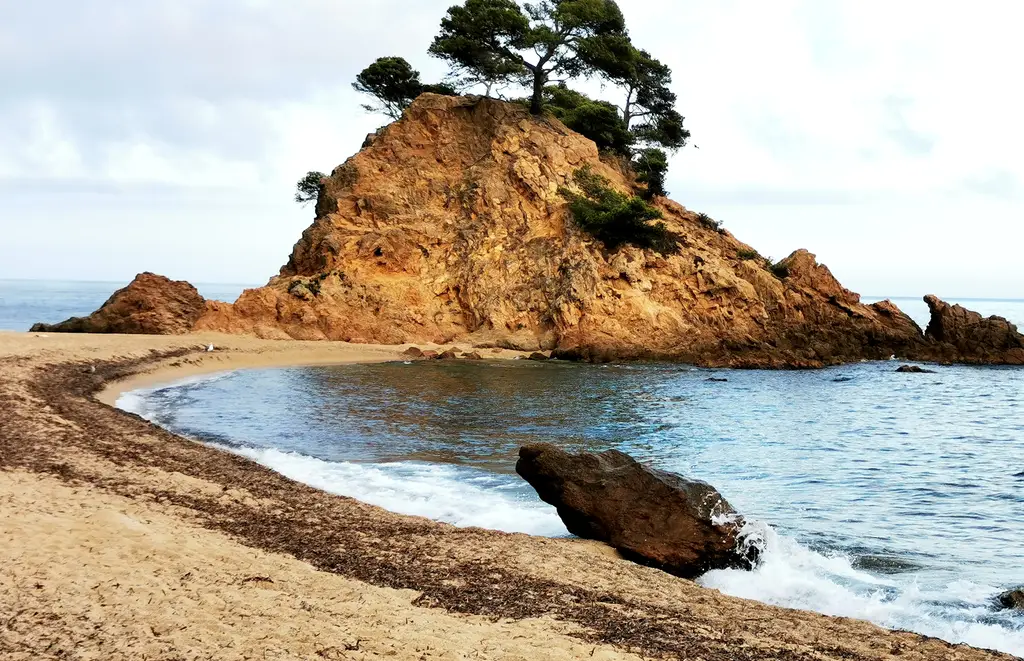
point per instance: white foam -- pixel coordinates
(138, 401)
(461, 496)
(795, 576)
(789, 574)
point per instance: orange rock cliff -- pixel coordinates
(448, 226)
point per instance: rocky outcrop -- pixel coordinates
(1012, 599)
(913, 369)
(653, 517)
(960, 334)
(449, 226)
(150, 305)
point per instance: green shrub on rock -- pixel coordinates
(615, 218)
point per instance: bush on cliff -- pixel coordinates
(614, 218)
(307, 189)
(779, 269)
(651, 166)
(591, 118)
(394, 84)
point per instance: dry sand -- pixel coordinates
(119, 540)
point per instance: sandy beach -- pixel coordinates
(121, 540)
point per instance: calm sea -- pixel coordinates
(895, 498)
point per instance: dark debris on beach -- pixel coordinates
(344, 536)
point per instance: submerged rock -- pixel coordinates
(536, 355)
(1012, 599)
(150, 305)
(653, 517)
(913, 369)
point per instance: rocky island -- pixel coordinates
(451, 224)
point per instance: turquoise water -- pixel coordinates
(895, 498)
(25, 302)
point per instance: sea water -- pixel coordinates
(895, 498)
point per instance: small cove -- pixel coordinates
(883, 496)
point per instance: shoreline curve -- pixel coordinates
(126, 540)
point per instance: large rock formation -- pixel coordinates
(449, 225)
(960, 334)
(660, 519)
(150, 305)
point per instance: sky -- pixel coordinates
(167, 135)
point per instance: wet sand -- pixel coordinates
(120, 540)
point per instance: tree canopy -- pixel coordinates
(552, 40)
(394, 84)
(542, 46)
(650, 100)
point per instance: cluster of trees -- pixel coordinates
(497, 44)
(542, 47)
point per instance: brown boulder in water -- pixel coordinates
(1012, 599)
(150, 305)
(653, 517)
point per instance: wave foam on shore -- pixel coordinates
(792, 575)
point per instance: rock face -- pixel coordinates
(963, 335)
(150, 305)
(656, 518)
(448, 226)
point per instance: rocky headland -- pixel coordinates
(449, 226)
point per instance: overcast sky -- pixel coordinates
(167, 135)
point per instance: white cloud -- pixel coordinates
(885, 137)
